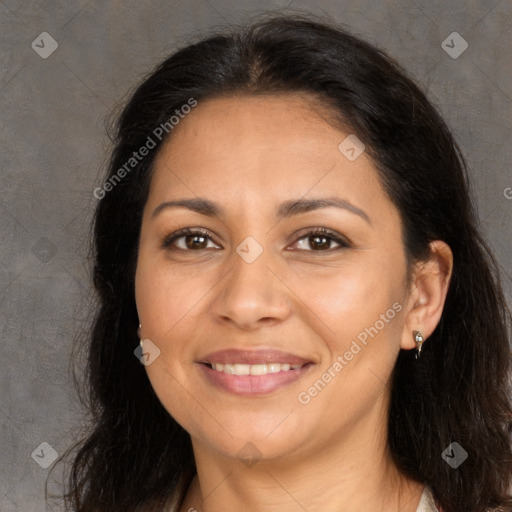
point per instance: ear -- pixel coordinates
(427, 293)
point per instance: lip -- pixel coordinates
(253, 385)
(253, 357)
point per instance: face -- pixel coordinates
(279, 311)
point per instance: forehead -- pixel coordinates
(296, 123)
(258, 149)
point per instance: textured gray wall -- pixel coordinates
(54, 146)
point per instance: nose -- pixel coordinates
(252, 295)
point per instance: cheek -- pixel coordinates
(165, 303)
(352, 297)
(166, 297)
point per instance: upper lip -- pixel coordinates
(235, 356)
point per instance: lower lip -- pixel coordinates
(253, 385)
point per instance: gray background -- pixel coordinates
(54, 148)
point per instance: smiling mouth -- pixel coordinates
(253, 369)
(256, 372)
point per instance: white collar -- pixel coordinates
(427, 503)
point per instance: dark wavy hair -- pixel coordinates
(136, 457)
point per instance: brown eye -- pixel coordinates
(321, 240)
(189, 240)
(317, 242)
(195, 241)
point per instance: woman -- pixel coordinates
(297, 311)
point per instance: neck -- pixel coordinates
(354, 472)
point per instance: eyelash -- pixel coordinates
(320, 231)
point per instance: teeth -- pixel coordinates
(242, 369)
(259, 369)
(253, 369)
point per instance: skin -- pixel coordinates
(250, 154)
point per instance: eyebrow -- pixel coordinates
(286, 209)
(289, 208)
(199, 205)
